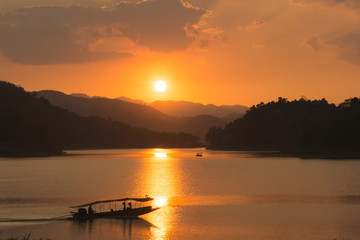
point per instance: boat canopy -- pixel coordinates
(147, 199)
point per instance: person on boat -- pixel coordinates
(90, 210)
(124, 205)
(130, 205)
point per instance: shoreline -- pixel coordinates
(64, 152)
(278, 153)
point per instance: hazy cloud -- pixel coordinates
(314, 43)
(350, 4)
(347, 47)
(51, 35)
(206, 36)
(252, 27)
(160, 24)
(205, 3)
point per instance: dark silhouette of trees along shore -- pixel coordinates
(299, 127)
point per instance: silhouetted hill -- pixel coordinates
(138, 101)
(231, 117)
(300, 127)
(125, 99)
(199, 125)
(130, 113)
(32, 126)
(137, 115)
(190, 109)
(80, 95)
(185, 109)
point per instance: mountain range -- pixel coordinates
(191, 109)
(31, 126)
(186, 108)
(172, 116)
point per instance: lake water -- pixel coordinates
(223, 195)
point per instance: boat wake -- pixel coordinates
(60, 218)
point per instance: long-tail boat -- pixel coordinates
(115, 208)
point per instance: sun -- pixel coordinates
(160, 201)
(160, 86)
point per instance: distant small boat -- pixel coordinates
(200, 154)
(127, 211)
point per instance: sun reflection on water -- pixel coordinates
(160, 155)
(160, 201)
(162, 181)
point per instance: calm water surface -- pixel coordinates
(223, 195)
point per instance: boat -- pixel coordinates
(199, 154)
(131, 208)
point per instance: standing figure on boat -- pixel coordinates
(129, 205)
(90, 210)
(124, 205)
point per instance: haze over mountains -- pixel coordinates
(32, 126)
(186, 108)
(190, 109)
(175, 116)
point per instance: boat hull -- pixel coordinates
(123, 214)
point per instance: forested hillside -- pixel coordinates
(295, 127)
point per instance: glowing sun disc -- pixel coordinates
(160, 86)
(160, 201)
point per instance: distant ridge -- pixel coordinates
(126, 112)
(191, 109)
(137, 115)
(80, 95)
(138, 101)
(227, 113)
(198, 124)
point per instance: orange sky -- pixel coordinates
(208, 51)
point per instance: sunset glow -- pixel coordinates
(250, 59)
(171, 119)
(160, 86)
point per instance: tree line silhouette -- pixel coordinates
(31, 126)
(300, 127)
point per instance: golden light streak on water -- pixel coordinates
(160, 155)
(160, 201)
(162, 181)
